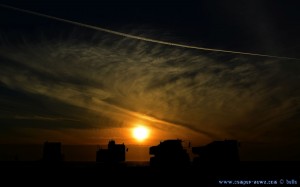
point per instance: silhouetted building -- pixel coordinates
(217, 151)
(52, 152)
(169, 153)
(114, 153)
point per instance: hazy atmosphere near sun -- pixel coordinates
(79, 86)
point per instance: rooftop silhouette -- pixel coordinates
(52, 152)
(170, 162)
(113, 154)
(169, 153)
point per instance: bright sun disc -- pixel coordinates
(140, 133)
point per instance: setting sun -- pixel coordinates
(140, 133)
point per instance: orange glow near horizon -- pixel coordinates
(156, 132)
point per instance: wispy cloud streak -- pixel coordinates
(142, 38)
(220, 96)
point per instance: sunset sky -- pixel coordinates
(63, 82)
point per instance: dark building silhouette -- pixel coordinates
(217, 151)
(114, 153)
(169, 153)
(52, 152)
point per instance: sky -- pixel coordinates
(68, 83)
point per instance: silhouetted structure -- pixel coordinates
(114, 153)
(217, 151)
(52, 152)
(169, 153)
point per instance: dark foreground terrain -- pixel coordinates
(99, 174)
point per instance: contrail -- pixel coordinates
(141, 38)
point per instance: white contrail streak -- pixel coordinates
(141, 38)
